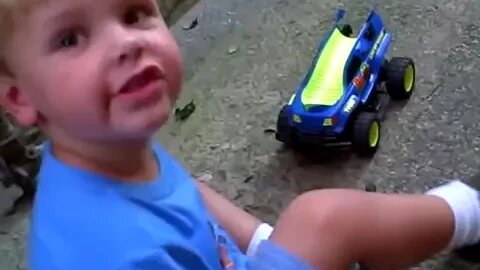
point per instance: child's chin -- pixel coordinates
(145, 129)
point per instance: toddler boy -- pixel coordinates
(99, 78)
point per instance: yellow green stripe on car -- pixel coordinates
(326, 83)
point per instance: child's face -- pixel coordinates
(94, 70)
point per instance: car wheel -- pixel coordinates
(400, 81)
(283, 133)
(366, 133)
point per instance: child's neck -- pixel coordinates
(132, 163)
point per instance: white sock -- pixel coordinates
(465, 204)
(262, 232)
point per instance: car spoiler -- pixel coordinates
(373, 12)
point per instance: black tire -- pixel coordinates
(283, 132)
(361, 142)
(396, 70)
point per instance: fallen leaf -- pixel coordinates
(185, 112)
(248, 179)
(192, 24)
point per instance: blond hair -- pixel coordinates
(11, 12)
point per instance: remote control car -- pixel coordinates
(342, 97)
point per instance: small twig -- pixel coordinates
(435, 89)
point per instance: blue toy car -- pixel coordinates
(340, 98)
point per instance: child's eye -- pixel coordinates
(135, 15)
(69, 40)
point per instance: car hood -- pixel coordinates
(326, 83)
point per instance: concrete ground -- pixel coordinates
(244, 60)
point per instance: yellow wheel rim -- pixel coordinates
(374, 134)
(409, 78)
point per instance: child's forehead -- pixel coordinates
(19, 7)
(14, 13)
(49, 14)
(51, 8)
(59, 10)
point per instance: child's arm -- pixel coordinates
(246, 230)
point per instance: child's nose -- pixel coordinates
(131, 50)
(125, 45)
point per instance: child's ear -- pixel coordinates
(16, 103)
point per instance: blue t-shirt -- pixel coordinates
(86, 221)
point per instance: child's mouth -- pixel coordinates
(142, 85)
(141, 79)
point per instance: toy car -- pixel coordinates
(339, 99)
